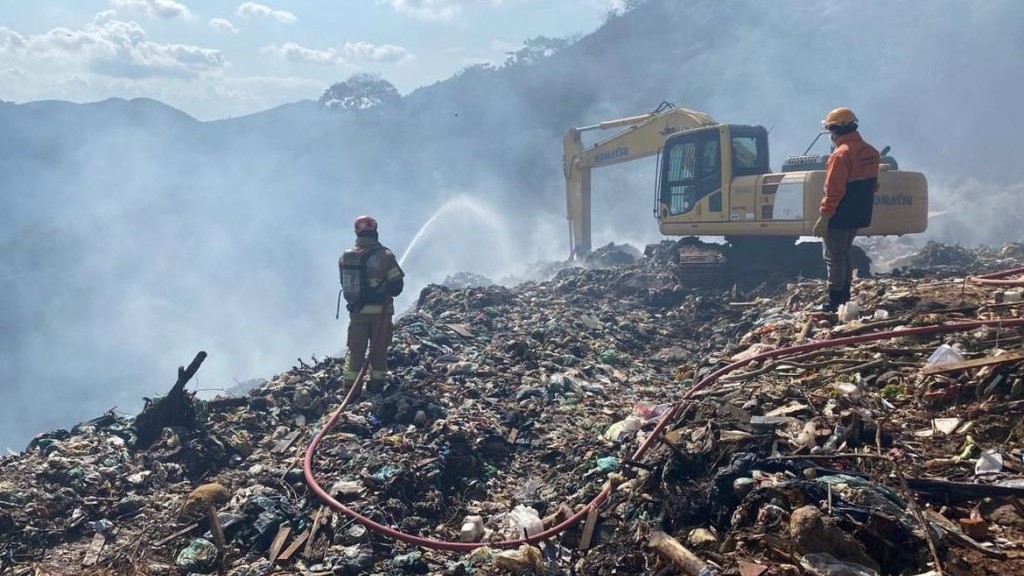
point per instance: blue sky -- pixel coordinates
(215, 59)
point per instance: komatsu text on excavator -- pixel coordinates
(714, 180)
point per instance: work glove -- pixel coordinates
(821, 226)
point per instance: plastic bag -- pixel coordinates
(623, 428)
(608, 464)
(822, 564)
(944, 354)
(990, 462)
(525, 521)
(649, 412)
(849, 311)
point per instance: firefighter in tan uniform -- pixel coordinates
(370, 279)
(850, 184)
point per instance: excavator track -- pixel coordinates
(747, 262)
(701, 264)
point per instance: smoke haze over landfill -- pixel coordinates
(134, 235)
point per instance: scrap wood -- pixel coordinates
(92, 554)
(227, 403)
(275, 548)
(670, 549)
(977, 363)
(302, 538)
(177, 534)
(588, 528)
(861, 367)
(321, 513)
(285, 443)
(215, 528)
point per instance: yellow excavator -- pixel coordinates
(714, 180)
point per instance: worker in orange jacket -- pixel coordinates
(850, 184)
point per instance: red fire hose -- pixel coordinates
(707, 381)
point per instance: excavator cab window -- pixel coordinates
(749, 150)
(693, 169)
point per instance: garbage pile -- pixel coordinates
(508, 409)
(938, 259)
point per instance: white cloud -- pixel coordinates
(11, 41)
(615, 6)
(351, 51)
(223, 25)
(426, 9)
(254, 10)
(440, 10)
(293, 52)
(388, 53)
(13, 72)
(505, 46)
(165, 9)
(112, 48)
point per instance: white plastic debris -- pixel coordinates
(472, 529)
(946, 425)
(945, 354)
(990, 462)
(849, 312)
(617, 431)
(525, 521)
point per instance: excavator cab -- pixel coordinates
(695, 171)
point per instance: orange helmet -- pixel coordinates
(838, 118)
(365, 224)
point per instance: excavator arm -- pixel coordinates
(644, 137)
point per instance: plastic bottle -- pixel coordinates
(837, 437)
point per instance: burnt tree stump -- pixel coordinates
(175, 409)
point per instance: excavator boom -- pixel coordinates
(644, 137)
